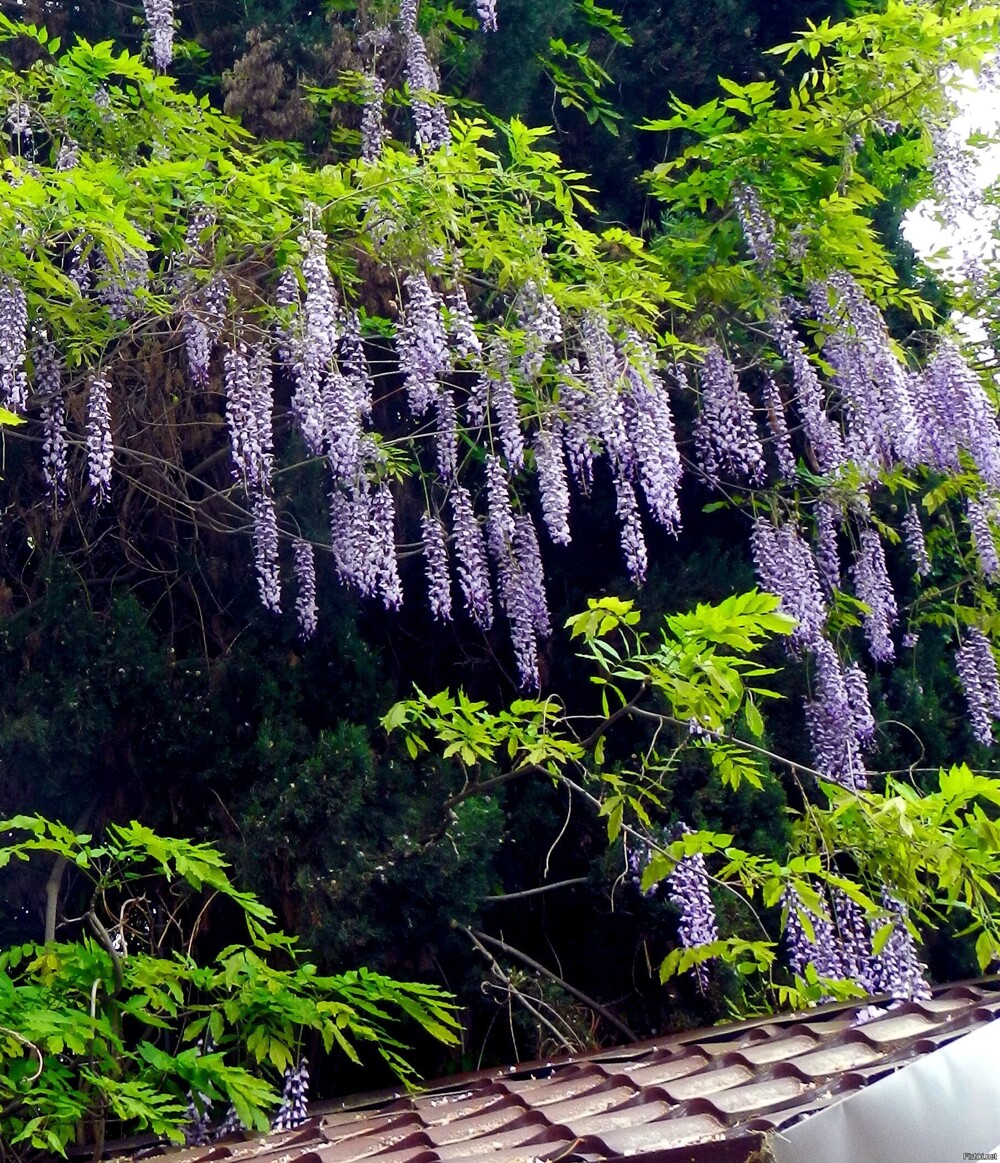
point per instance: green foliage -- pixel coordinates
(938, 849)
(104, 1028)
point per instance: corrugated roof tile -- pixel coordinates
(701, 1095)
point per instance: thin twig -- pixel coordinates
(561, 982)
(526, 892)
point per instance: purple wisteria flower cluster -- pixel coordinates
(100, 447)
(294, 1108)
(913, 535)
(873, 587)
(438, 575)
(841, 945)
(980, 516)
(304, 558)
(429, 115)
(839, 718)
(373, 118)
(160, 21)
(757, 224)
(825, 442)
(725, 434)
(363, 529)
(786, 567)
(956, 413)
(687, 888)
(874, 388)
(47, 386)
(976, 665)
(486, 10)
(13, 344)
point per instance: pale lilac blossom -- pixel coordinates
(983, 537)
(872, 586)
(913, 536)
(687, 888)
(265, 548)
(550, 467)
(436, 558)
(304, 560)
(470, 556)
(160, 21)
(725, 433)
(100, 448)
(786, 567)
(13, 344)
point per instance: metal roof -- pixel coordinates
(711, 1094)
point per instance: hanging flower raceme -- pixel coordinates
(304, 559)
(436, 558)
(500, 515)
(860, 706)
(983, 537)
(538, 317)
(725, 433)
(872, 586)
(422, 343)
(875, 388)
(373, 118)
(550, 467)
(977, 670)
(602, 379)
(897, 969)
(47, 385)
(839, 721)
(855, 939)
(100, 448)
(265, 549)
(825, 441)
(408, 14)
(913, 535)
(249, 405)
(465, 343)
(429, 116)
(822, 950)
(632, 537)
(293, 1110)
(781, 441)
(384, 567)
(827, 550)
(470, 556)
(577, 439)
(160, 22)
(486, 10)
(757, 224)
(522, 595)
(687, 888)
(786, 567)
(13, 344)
(649, 426)
(956, 412)
(504, 407)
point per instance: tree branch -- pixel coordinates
(526, 892)
(539, 968)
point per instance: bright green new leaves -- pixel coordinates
(940, 849)
(821, 155)
(113, 1024)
